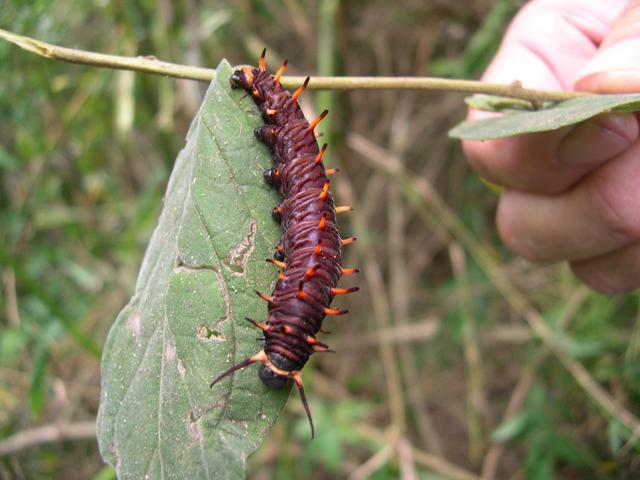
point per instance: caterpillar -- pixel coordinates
(309, 254)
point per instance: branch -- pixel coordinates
(47, 434)
(150, 64)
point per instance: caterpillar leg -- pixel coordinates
(266, 134)
(272, 176)
(279, 253)
(276, 213)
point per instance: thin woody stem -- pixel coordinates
(150, 64)
(513, 90)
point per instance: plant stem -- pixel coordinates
(150, 64)
(146, 64)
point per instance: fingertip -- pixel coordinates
(482, 156)
(624, 125)
(510, 160)
(511, 222)
(594, 278)
(615, 68)
(612, 273)
(599, 139)
(504, 222)
(618, 80)
(527, 162)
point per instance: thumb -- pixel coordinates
(615, 68)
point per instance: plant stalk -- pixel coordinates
(150, 64)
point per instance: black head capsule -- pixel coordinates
(272, 379)
(242, 78)
(236, 79)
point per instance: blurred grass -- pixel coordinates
(84, 158)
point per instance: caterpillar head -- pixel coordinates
(270, 377)
(243, 78)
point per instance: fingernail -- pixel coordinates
(614, 80)
(598, 139)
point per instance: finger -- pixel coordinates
(615, 68)
(615, 272)
(549, 42)
(597, 216)
(546, 46)
(551, 162)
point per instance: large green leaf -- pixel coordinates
(559, 115)
(185, 323)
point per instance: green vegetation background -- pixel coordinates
(431, 349)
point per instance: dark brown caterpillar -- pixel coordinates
(310, 251)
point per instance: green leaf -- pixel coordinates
(493, 103)
(615, 435)
(185, 323)
(106, 473)
(8, 161)
(559, 115)
(511, 428)
(12, 341)
(580, 349)
(37, 389)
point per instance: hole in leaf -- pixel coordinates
(205, 333)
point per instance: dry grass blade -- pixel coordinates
(476, 399)
(47, 434)
(373, 464)
(420, 331)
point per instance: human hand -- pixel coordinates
(572, 194)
